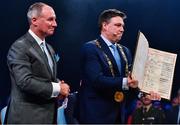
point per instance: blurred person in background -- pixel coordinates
(148, 114)
(173, 115)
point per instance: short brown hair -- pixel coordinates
(106, 15)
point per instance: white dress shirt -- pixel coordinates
(109, 44)
(56, 86)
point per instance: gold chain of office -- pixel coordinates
(118, 96)
(109, 61)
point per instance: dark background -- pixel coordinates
(159, 20)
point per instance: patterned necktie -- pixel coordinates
(116, 56)
(47, 55)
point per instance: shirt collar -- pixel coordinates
(148, 107)
(37, 39)
(109, 43)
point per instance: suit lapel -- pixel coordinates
(106, 49)
(123, 63)
(52, 53)
(36, 50)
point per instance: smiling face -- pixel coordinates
(113, 29)
(44, 24)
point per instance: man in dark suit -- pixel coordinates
(105, 73)
(173, 114)
(32, 66)
(148, 113)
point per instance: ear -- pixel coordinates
(104, 25)
(34, 21)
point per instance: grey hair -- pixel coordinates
(35, 10)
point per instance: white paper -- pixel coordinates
(154, 69)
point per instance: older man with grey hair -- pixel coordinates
(32, 66)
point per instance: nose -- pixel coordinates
(122, 29)
(54, 24)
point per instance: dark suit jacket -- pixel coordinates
(172, 115)
(153, 116)
(98, 86)
(71, 110)
(31, 79)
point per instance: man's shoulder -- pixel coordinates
(21, 43)
(22, 39)
(124, 47)
(137, 111)
(90, 47)
(91, 43)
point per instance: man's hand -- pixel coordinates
(154, 96)
(65, 89)
(132, 82)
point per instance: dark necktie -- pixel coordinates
(144, 110)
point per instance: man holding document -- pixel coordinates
(106, 81)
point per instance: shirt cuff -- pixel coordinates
(140, 95)
(124, 85)
(56, 89)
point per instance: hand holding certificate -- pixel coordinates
(153, 68)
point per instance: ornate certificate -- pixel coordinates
(154, 69)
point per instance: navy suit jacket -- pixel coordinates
(172, 115)
(31, 86)
(98, 86)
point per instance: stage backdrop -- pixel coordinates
(77, 24)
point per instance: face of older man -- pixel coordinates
(45, 24)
